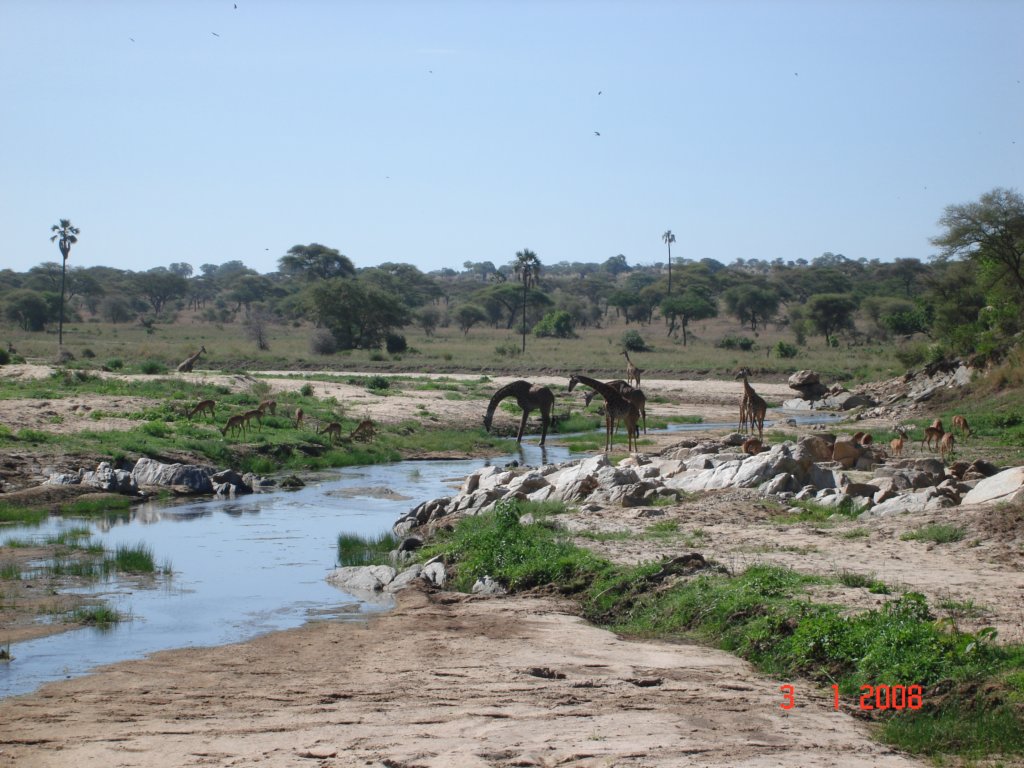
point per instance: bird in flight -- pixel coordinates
(599, 93)
(215, 34)
(597, 133)
(132, 39)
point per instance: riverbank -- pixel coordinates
(443, 680)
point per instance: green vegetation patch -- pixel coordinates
(939, 533)
(354, 549)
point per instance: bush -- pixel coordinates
(556, 324)
(395, 343)
(744, 343)
(322, 342)
(115, 363)
(5, 357)
(307, 390)
(378, 382)
(152, 367)
(88, 354)
(632, 341)
(786, 350)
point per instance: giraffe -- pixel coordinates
(615, 407)
(752, 408)
(634, 395)
(529, 398)
(186, 366)
(632, 372)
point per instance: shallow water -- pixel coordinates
(247, 566)
(240, 568)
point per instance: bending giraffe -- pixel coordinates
(529, 398)
(634, 395)
(753, 407)
(632, 372)
(190, 361)
(615, 407)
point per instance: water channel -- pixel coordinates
(244, 567)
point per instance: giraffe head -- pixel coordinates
(743, 372)
(488, 417)
(573, 381)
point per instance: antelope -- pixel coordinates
(896, 444)
(364, 432)
(933, 433)
(268, 405)
(752, 445)
(255, 413)
(235, 423)
(299, 416)
(960, 423)
(333, 429)
(946, 445)
(202, 407)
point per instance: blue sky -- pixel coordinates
(436, 133)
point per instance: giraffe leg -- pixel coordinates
(522, 426)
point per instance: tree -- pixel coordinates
(557, 324)
(989, 233)
(467, 316)
(358, 315)
(830, 312)
(28, 308)
(527, 269)
(669, 238)
(688, 306)
(66, 236)
(429, 318)
(316, 262)
(159, 285)
(751, 303)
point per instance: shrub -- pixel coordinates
(557, 324)
(395, 343)
(5, 357)
(88, 354)
(744, 343)
(322, 342)
(152, 367)
(115, 363)
(307, 390)
(378, 382)
(785, 350)
(632, 341)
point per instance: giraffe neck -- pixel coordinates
(599, 386)
(509, 390)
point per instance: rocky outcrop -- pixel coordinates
(1007, 486)
(149, 474)
(808, 384)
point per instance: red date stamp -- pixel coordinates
(872, 697)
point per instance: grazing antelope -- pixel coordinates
(203, 406)
(299, 416)
(365, 432)
(752, 445)
(960, 423)
(333, 429)
(946, 445)
(236, 423)
(268, 405)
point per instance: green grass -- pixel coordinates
(101, 616)
(10, 571)
(354, 549)
(815, 513)
(10, 513)
(939, 533)
(137, 558)
(96, 507)
(863, 581)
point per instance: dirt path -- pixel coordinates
(437, 682)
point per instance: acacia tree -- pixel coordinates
(66, 235)
(527, 269)
(316, 262)
(831, 312)
(686, 307)
(990, 234)
(669, 238)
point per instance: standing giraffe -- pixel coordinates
(615, 407)
(186, 367)
(752, 408)
(634, 395)
(529, 398)
(632, 372)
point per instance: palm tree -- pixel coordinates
(68, 236)
(527, 268)
(669, 238)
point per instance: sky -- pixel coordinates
(440, 132)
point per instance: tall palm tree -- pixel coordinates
(527, 268)
(669, 238)
(66, 236)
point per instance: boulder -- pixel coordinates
(846, 452)
(192, 478)
(434, 573)
(488, 586)
(404, 579)
(362, 578)
(1007, 486)
(926, 500)
(808, 384)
